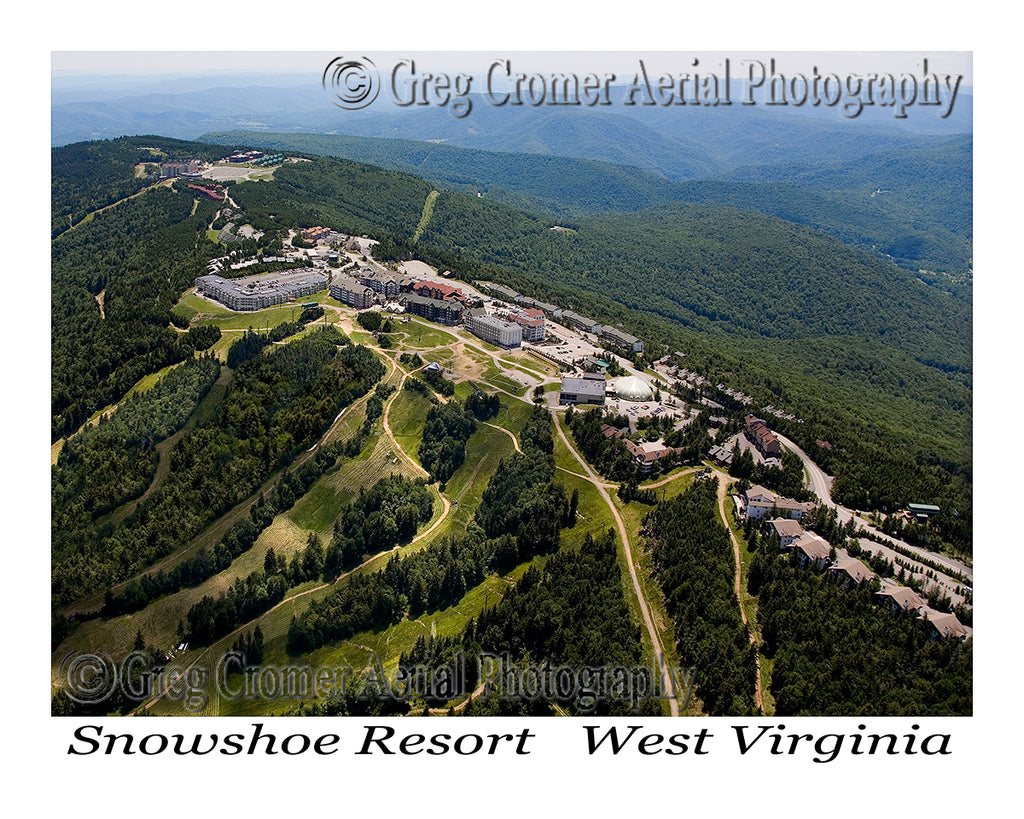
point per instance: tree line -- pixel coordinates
(836, 653)
(694, 565)
(278, 403)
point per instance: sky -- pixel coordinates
(78, 63)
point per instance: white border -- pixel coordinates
(559, 775)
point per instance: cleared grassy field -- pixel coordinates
(197, 304)
(504, 382)
(535, 366)
(257, 319)
(407, 417)
(362, 337)
(513, 414)
(317, 510)
(420, 335)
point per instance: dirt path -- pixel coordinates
(655, 485)
(440, 712)
(509, 433)
(211, 534)
(365, 564)
(91, 214)
(723, 481)
(587, 478)
(652, 632)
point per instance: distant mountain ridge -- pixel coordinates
(924, 225)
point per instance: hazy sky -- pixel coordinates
(70, 63)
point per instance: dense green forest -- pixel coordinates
(935, 180)
(572, 614)
(278, 403)
(522, 496)
(112, 462)
(388, 513)
(836, 652)
(721, 271)
(443, 445)
(608, 456)
(693, 564)
(140, 255)
(713, 269)
(922, 221)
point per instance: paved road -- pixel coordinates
(821, 484)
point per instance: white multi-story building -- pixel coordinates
(531, 320)
(352, 292)
(264, 290)
(495, 330)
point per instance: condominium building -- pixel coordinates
(352, 292)
(495, 330)
(622, 339)
(532, 321)
(264, 290)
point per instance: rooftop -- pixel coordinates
(583, 386)
(948, 625)
(854, 568)
(906, 599)
(787, 527)
(812, 545)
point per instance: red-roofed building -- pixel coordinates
(764, 439)
(214, 193)
(437, 290)
(532, 321)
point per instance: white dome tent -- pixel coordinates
(631, 388)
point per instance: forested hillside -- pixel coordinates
(874, 360)
(922, 220)
(836, 652)
(928, 189)
(279, 402)
(140, 255)
(87, 176)
(693, 564)
(731, 284)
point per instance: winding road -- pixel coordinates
(666, 678)
(821, 485)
